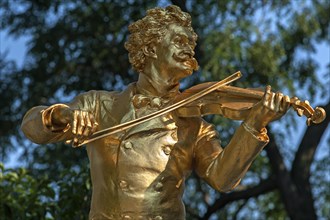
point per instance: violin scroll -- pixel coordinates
(303, 108)
(319, 115)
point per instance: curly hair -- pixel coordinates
(151, 29)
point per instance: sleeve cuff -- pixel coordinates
(46, 116)
(260, 135)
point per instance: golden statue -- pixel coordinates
(144, 142)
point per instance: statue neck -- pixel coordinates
(153, 85)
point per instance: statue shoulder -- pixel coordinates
(99, 100)
(92, 99)
(93, 96)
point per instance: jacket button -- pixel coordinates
(123, 185)
(167, 150)
(128, 145)
(126, 217)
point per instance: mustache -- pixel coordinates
(187, 58)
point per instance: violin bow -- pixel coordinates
(121, 127)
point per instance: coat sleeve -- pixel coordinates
(221, 168)
(37, 127)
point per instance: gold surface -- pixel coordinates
(140, 172)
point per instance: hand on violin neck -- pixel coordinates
(271, 107)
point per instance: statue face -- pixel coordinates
(175, 54)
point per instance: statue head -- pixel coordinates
(151, 29)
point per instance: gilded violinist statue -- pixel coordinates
(140, 172)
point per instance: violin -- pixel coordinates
(235, 103)
(215, 98)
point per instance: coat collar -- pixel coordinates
(120, 109)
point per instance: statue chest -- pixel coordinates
(136, 170)
(145, 151)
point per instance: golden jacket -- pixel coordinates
(140, 173)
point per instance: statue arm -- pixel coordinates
(35, 127)
(224, 168)
(43, 124)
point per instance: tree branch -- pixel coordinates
(239, 209)
(284, 182)
(300, 172)
(302, 207)
(307, 148)
(263, 187)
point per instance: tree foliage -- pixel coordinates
(77, 46)
(24, 196)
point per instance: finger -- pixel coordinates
(272, 102)
(75, 142)
(75, 122)
(278, 102)
(285, 103)
(88, 127)
(267, 95)
(81, 123)
(95, 125)
(81, 140)
(92, 119)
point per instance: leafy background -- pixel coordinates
(75, 46)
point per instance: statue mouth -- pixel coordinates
(192, 63)
(187, 60)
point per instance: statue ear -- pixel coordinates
(150, 51)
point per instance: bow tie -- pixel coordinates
(140, 101)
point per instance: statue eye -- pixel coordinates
(192, 44)
(179, 40)
(183, 41)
